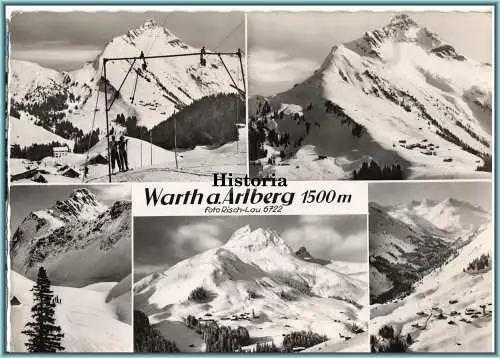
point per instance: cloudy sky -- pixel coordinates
(476, 193)
(26, 199)
(66, 40)
(285, 48)
(160, 242)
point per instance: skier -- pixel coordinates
(203, 62)
(114, 154)
(144, 65)
(122, 152)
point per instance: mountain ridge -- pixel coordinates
(388, 101)
(79, 241)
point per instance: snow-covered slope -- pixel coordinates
(198, 164)
(397, 95)
(79, 241)
(254, 271)
(27, 76)
(450, 215)
(356, 344)
(88, 321)
(444, 313)
(24, 132)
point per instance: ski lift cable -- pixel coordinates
(242, 71)
(154, 38)
(227, 70)
(229, 34)
(132, 98)
(121, 85)
(91, 131)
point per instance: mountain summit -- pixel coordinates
(82, 204)
(257, 240)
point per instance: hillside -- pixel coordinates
(398, 95)
(89, 322)
(20, 127)
(79, 241)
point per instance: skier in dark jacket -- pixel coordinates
(122, 152)
(115, 158)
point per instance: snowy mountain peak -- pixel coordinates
(302, 252)
(384, 41)
(402, 20)
(148, 31)
(427, 202)
(244, 239)
(150, 24)
(242, 231)
(81, 204)
(402, 28)
(82, 194)
(450, 202)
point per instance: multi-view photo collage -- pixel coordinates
(398, 100)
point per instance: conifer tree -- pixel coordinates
(43, 334)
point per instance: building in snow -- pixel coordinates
(70, 173)
(14, 301)
(58, 152)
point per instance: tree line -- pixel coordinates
(148, 339)
(372, 171)
(34, 152)
(210, 120)
(220, 339)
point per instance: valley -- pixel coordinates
(430, 277)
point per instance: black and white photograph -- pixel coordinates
(431, 251)
(69, 279)
(370, 95)
(251, 284)
(126, 96)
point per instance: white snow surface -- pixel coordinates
(24, 132)
(89, 323)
